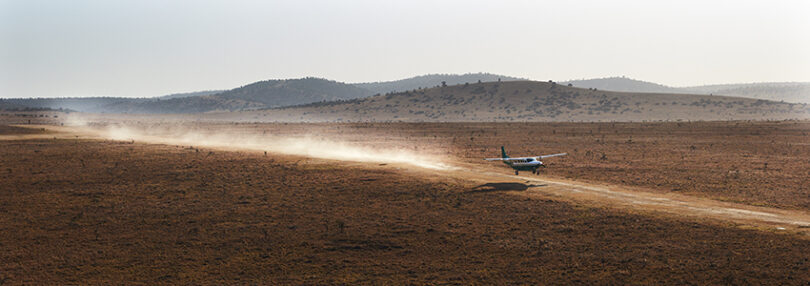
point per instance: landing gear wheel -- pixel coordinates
(534, 171)
(516, 172)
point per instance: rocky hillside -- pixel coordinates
(622, 84)
(190, 94)
(796, 92)
(83, 104)
(529, 101)
(432, 80)
(263, 94)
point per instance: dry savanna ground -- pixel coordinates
(78, 211)
(751, 162)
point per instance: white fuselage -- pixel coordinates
(524, 162)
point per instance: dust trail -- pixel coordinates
(305, 145)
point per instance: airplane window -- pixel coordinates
(530, 159)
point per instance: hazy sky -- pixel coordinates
(149, 48)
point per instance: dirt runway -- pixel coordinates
(637, 200)
(632, 199)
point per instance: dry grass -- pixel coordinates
(13, 130)
(93, 212)
(757, 163)
(521, 101)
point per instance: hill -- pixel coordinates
(280, 93)
(528, 101)
(6, 105)
(274, 93)
(91, 104)
(622, 84)
(83, 104)
(262, 94)
(190, 94)
(798, 92)
(432, 80)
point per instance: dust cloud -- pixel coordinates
(304, 145)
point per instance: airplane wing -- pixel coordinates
(552, 155)
(508, 159)
(524, 158)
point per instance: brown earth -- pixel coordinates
(97, 211)
(757, 163)
(31, 117)
(16, 130)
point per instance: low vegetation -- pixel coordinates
(756, 163)
(522, 101)
(101, 212)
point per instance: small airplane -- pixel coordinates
(524, 163)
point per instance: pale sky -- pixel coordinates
(148, 48)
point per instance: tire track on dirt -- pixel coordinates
(639, 200)
(599, 195)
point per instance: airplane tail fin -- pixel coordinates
(503, 153)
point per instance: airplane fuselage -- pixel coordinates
(524, 164)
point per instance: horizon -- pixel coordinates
(93, 48)
(356, 83)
